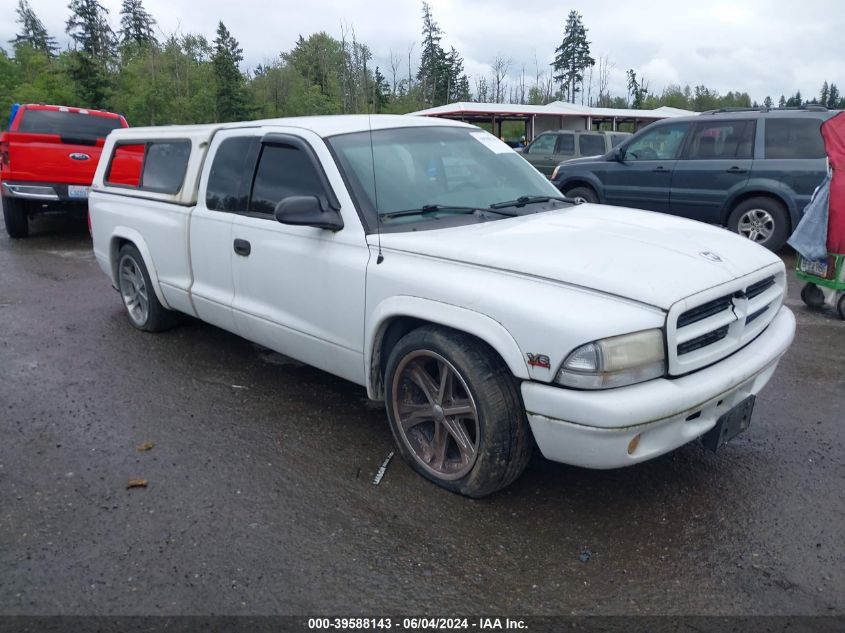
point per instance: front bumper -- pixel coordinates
(594, 429)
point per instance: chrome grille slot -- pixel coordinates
(753, 317)
(699, 313)
(703, 341)
(760, 287)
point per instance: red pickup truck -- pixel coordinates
(48, 157)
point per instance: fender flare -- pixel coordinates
(131, 235)
(474, 323)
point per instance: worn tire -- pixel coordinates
(16, 217)
(583, 194)
(840, 306)
(812, 296)
(763, 207)
(503, 437)
(132, 276)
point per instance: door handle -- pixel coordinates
(660, 170)
(736, 170)
(242, 247)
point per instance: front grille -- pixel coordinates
(703, 341)
(699, 313)
(704, 328)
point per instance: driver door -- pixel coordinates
(643, 178)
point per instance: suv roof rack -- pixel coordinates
(810, 107)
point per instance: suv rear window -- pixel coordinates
(591, 144)
(794, 138)
(66, 123)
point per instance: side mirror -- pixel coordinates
(307, 211)
(617, 154)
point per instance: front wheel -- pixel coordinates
(582, 195)
(16, 217)
(455, 411)
(139, 298)
(762, 220)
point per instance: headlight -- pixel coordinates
(615, 362)
(554, 173)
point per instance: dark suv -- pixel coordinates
(750, 170)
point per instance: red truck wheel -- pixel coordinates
(16, 216)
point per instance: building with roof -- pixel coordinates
(557, 115)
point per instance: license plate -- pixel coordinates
(814, 267)
(729, 425)
(77, 191)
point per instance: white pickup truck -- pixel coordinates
(426, 261)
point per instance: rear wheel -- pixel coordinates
(139, 298)
(582, 195)
(762, 220)
(455, 411)
(16, 217)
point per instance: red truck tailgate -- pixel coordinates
(55, 145)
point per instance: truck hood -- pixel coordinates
(647, 257)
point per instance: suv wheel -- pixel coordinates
(455, 411)
(582, 195)
(762, 220)
(16, 217)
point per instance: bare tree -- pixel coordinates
(605, 67)
(410, 80)
(395, 63)
(500, 68)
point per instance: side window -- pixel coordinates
(658, 143)
(616, 139)
(158, 166)
(165, 165)
(283, 171)
(231, 174)
(794, 138)
(543, 144)
(591, 144)
(126, 163)
(565, 144)
(723, 140)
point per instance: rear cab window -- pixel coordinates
(793, 138)
(66, 123)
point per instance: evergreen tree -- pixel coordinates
(825, 94)
(433, 71)
(93, 56)
(573, 57)
(833, 101)
(32, 31)
(136, 25)
(229, 82)
(782, 102)
(767, 102)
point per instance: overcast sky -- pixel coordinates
(764, 47)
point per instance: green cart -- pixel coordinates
(825, 279)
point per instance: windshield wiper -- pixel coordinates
(524, 200)
(431, 209)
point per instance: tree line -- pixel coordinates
(155, 79)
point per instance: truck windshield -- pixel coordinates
(435, 168)
(67, 123)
